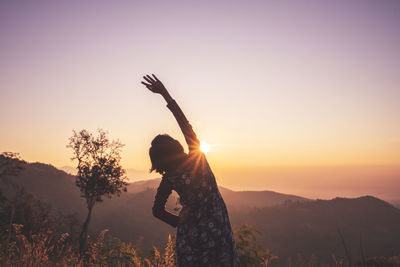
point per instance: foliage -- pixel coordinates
(99, 171)
(10, 164)
(249, 251)
(47, 249)
(39, 249)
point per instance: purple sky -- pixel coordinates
(266, 83)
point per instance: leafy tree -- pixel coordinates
(99, 171)
(10, 164)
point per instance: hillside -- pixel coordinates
(316, 226)
(288, 224)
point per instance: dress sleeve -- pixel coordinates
(189, 134)
(159, 211)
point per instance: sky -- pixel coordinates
(295, 96)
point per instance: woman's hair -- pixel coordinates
(165, 153)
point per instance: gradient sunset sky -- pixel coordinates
(286, 92)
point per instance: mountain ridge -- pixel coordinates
(287, 224)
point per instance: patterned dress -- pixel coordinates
(204, 234)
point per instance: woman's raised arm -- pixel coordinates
(156, 86)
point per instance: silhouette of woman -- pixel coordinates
(204, 234)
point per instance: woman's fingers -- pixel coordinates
(151, 79)
(146, 84)
(147, 79)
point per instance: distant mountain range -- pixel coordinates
(287, 224)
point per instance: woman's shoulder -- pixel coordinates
(198, 165)
(173, 178)
(169, 178)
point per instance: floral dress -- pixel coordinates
(204, 234)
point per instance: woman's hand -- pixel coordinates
(154, 85)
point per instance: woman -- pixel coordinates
(204, 234)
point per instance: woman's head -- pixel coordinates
(166, 154)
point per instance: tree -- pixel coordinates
(99, 171)
(10, 164)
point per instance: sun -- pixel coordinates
(204, 147)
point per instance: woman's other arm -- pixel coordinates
(159, 211)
